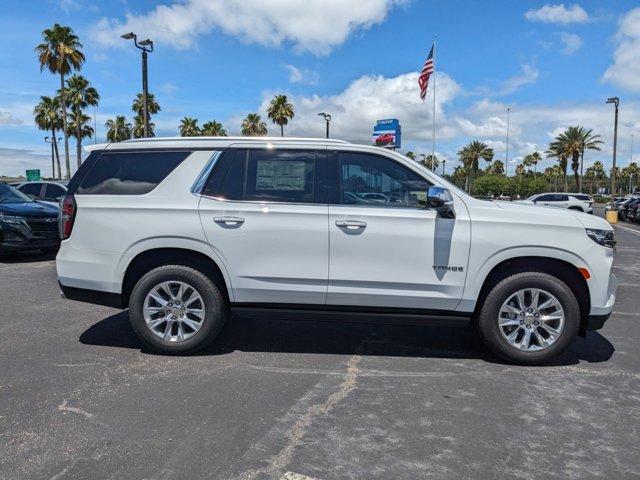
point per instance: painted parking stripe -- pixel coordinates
(296, 476)
(632, 230)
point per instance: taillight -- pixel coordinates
(67, 216)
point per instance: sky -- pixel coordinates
(552, 64)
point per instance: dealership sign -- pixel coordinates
(387, 133)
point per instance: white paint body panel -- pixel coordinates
(294, 253)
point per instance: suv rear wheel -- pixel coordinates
(176, 309)
(529, 318)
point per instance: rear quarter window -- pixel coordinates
(129, 172)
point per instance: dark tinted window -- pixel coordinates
(271, 176)
(129, 173)
(52, 192)
(581, 197)
(372, 180)
(31, 189)
(544, 198)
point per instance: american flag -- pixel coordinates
(425, 74)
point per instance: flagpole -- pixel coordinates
(433, 144)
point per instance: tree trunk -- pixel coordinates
(79, 141)
(55, 149)
(281, 130)
(63, 105)
(466, 184)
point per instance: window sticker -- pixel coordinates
(279, 175)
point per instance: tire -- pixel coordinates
(211, 300)
(494, 336)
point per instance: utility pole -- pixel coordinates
(443, 162)
(506, 162)
(616, 103)
(145, 89)
(53, 164)
(327, 119)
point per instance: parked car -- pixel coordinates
(44, 191)
(181, 230)
(627, 209)
(26, 224)
(572, 201)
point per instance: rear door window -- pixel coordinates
(31, 189)
(129, 172)
(52, 192)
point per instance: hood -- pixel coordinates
(539, 213)
(29, 209)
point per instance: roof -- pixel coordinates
(210, 142)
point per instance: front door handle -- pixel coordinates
(351, 224)
(229, 220)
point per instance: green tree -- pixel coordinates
(61, 52)
(430, 161)
(492, 185)
(118, 129)
(189, 127)
(138, 109)
(410, 155)
(213, 129)
(574, 141)
(49, 118)
(496, 168)
(469, 156)
(79, 94)
(553, 174)
(138, 128)
(532, 160)
(597, 173)
(280, 111)
(80, 128)
(520, 169)
(557, 150)
(630, 174)
(253, 126)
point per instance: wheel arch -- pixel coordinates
(151, 258)
(562, 269)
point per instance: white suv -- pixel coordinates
(181, 231)
(572, 201)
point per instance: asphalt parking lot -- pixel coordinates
(297, 396)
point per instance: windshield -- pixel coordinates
(11, 195)
(531, 198)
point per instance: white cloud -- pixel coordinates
(305, 75)
(7, 118)
(168, 88)
(316, 26)
(528, 74)
(558, 14)
(625, 71)
(571, 43)
(367, 99)
(14, 161)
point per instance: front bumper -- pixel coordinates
(16, 237)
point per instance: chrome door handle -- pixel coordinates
(229, 220)
(351, 224)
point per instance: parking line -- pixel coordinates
(632, 230)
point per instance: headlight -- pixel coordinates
(12, 219)
(602, 237)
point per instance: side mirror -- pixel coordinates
(440, 199)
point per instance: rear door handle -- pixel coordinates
(351, 224)
(229, 220)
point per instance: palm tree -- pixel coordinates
(426, 161)
(469, 156)
(48, 118)
(280, 111)
(253, 126)
(118, 129)
(520, 169)
(60, 52)
(138, 108)
(631, 172)
(597, 173)
(496, 168)
(79, 95)
(189, 127)
(410, 155)
(557, 150)
(138, 128)
(213, 129)
(80, 128)
(531, 160)
(575, 140)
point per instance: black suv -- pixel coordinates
(26, 224)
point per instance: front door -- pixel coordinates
(267, 221)
(386, 248)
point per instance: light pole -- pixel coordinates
(53, 165)
(145, 89)
(443, 162)
(327, 118)
(616, 103)
(506, 162)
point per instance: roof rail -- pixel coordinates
(238, 139)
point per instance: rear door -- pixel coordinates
(397, 253)
(264, 212)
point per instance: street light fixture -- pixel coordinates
(327, 118)
(147, 47)
(616, 103)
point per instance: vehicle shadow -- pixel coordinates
(27, 256)
(345, 334)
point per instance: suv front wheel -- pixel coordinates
(529, 318)
(176, 309)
